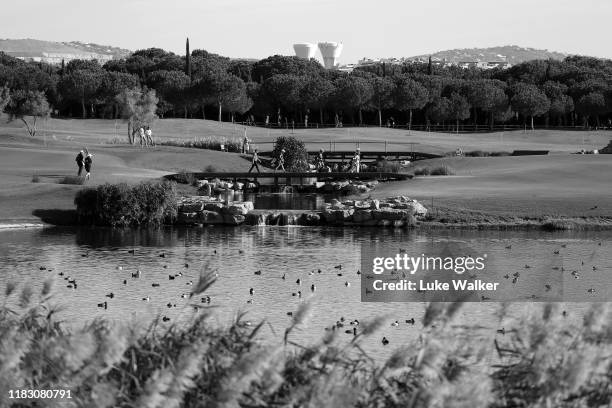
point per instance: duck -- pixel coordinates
(110, 295)
(410, 321)
(556, 252)
(318, 271)
(516, 274)
(563, 245)
(502, 331)
(299, 293)
(338, 267)
(506, 276)
(395, 324)
(527, 266)
(189, 283)
(169, 305)
(176, 275)
(155, 285)
(355, 322)
(484, 298)
(131, 251)
(42, 268)
(311, 273)
(257, 272)
(136, 274)
(547, 286)
(385, 341)
(250, 301)
(61, 274)
(125, 281)
(184, 295)
(240, 251)
(509, 247)
(165, 318)
(358, 272)
(165, 266)
(591, 290)
(251, 291)
(347, 284)
(119, 268)
(283, 277)
(162, 255)
(171, 277)
(313, 287)
(289, 313)
(146, 299)
(339, 274)
(298, 281)
(186, 265)
(103, 305)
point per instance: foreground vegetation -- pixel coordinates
(542, 359)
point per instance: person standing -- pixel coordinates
(80, 162)
(149, 136)
(245, 143)
(141, 134)
(88, 162)
(255, 162)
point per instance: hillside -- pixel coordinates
(35, 48)
(511, 53)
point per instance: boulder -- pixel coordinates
(213, 206)
(375, 205)
(389, 214)
(288, 219)
(361, 216)
(309, 218)
(332, 216)
(190, 207)
(233, 219)
(210, 217)
(186, 218)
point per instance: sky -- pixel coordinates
(367, 28)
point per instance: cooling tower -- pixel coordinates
(330, 52)
(305, 50)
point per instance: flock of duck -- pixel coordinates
(351, 326)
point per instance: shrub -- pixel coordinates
(388, 166)
(77, 180)
(443, 170)
(422, 171)
(35, 178)
(296, 155)
(210, 169)
(185, 177)
(120, 205)
(210, 143)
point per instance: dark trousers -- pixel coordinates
(254, 166)
(80, 169)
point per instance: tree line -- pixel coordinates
(283, 90)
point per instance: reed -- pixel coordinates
(542, 360)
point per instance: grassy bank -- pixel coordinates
(540, 358)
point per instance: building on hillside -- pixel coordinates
(57, 57)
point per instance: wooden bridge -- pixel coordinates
(367, 157)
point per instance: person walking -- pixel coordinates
(245, 143)
(255, 162)
(141, 135)
(356, 162)
(88, 162)
(80, 162)
(281, 160)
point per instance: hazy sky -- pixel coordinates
(372, 28)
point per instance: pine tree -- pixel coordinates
(187, 59)
(429, 67)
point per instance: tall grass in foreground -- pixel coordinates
(122, 205)
(542, 361)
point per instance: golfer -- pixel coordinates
(88, 162)
(80, 162)
(255, 162)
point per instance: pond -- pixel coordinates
(100, 259)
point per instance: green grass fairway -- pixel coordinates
(558, 184)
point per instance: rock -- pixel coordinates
(202, 183)
(389, 214)
(361, 216)
(337, 216)
(191, 207)
(288, 219)
(335, 202)
(398, 224)
(238, 208)
(238, 185)
(186, 218)
(375, 205)
(418, 209)
(210, 217)
(213, 206)
(233, 219)
(383, 223)
(309, 218)
(205, 190)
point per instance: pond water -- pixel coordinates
(100, 260)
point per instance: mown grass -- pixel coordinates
(442, 170)
(122, 205)
(542, 359)
(76, 180)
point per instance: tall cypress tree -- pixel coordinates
(187, 59)
(429, 67)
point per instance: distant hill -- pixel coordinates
(35, 49)
(510, 53)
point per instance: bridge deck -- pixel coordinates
(304, 175)
(373, 155)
